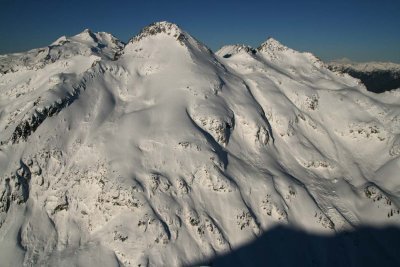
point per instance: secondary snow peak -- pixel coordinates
(272, 45)
(84, 45)
(100, 39)
(86, 35)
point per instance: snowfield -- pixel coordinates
(160, 152)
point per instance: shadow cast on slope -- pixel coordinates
(282, 246)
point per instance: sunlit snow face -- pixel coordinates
(161, 152)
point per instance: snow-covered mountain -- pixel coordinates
(162, 153)
(378, 77)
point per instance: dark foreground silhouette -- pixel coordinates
(282, 246)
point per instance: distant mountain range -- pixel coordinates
(378, 77)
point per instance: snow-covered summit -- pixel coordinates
(99, 38)
(164, 35)
(272, 45)
(87, 42)
(273, 50)
(162, 27)
(84, 44)
(85, 36)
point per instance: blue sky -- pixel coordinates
(359, 30)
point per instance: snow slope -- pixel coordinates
(161, 153)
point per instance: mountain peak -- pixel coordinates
(162, 27)
(87, 30)
(86, 35)
(272, 45)
(98, 40)
(165, 30)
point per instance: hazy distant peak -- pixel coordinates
(343, 60)
(363, 66)
(378, 77)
